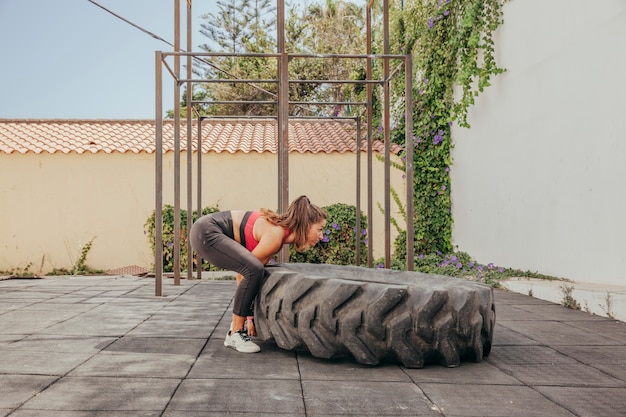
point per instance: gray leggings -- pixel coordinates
(211, 236)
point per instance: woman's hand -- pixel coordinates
(250, 326)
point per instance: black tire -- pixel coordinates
(375, 315)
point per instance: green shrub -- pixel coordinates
(168, 237)
(339, 243)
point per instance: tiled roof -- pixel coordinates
(136, 136)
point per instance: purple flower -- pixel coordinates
(450, 124)
(443, 188)
(471, 264)
(447, 12)
(364, 232)
(453, 258)
(459, 265)
(335, 226)
(326, 239)
(420, 256)
(380, 266)
(430, 22)
(490, 266)
(447, 169)
(500, 269)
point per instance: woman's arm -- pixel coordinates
(270, 242)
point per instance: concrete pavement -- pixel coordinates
(106, 346)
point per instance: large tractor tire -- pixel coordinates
(375, 315)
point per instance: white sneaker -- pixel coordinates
(241, 342)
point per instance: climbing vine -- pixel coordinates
(452, 45)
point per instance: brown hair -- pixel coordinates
(300, 215)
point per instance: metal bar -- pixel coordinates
(348, 56)
(370, 116)
(386, 134)
(189, 150)
(233, 102)
(408, 135)
(199, 192)
(229, 81)
(290, 55)
(283, 122)
(177, 146)
(329, 103)
(158, 175)
(379, 82)
(357, 234)
(225, 54)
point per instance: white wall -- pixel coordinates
(538, 181)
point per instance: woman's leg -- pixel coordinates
(211, 243)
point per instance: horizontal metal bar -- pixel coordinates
(218, 54)
(228, 80)
(343, 56)
(234, 102)
(335, 81)
(330, 103)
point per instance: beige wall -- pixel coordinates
(52, 205)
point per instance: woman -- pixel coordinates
(244, 242)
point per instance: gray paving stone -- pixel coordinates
(156, 344)
(573, 375)
(218, 361)
(129, 365)
(60, 344)
(491, 401)
(468, 373)
(312, 369)
(589, 402)
(104, 393)
(371, 398)
(17, 389)
(228, 396)
(524, 355)
(556, 333)
(614, 354)
(19, 362)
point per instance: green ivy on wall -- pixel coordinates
(452, 45)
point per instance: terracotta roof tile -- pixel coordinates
(137, 136)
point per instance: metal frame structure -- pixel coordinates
(282, 102)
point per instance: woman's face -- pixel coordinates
(315, 233)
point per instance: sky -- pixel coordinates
(70, 59)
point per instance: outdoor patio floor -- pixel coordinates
(107, 346)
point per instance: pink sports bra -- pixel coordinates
(245, 230)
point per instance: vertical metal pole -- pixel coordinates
(199, 197)
(189, 148)
(283, 122)
(387, 136)
(370, 117)
(158, 175)
(408, 137)
(176, 144)
(357, 234)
